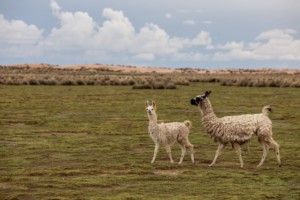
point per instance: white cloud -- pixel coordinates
(235, 54)
(202, 39)
(189, 22)
(277, 34)
(16, 32)
(55, 8)
(270, 45)
(279, 45)
(151, 39)
(116, 33)
(18, 39)
(231, 46)
(74, 32)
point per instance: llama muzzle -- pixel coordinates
(194, 102)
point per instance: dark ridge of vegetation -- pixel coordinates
(26, 75)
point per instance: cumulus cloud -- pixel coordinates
(278, 44)
(116, 35)
(55, 8)
(203, 38)
(17, 37)
(231, 46)
(16, 32)
(74, 32)
(277, 34)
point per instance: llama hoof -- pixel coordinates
(210, 165)
(280, 165)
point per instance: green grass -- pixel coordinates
(91, 142)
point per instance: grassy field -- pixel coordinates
(91, 142)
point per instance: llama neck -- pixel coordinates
(152, 120)
(207, 110)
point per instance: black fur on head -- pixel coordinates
(198, 99)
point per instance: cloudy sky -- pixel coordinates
(167, 33)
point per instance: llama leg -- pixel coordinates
(168, 148)
(238, 150)
(191, 147)
(218, 152)
(183, 150)
(155, 152)
(186, 143)
(265, 148)
(276, 146)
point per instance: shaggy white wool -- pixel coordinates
(236, 130)
(168, 133)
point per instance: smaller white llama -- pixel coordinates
(168, 133)
(236, 130)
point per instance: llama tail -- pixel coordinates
(188, 123)
(266, 110)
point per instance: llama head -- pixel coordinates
(150, 108)
(200, 98)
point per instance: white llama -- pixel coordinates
(236, 130)
(167, 133)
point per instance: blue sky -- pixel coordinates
(169, 33)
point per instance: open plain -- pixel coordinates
(91, 142)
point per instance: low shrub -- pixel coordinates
(158, 86)
(80, 82)
(144, 86)
(67, 82)
(33, 82)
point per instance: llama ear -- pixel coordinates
(154, 105)
(146, 104)
(207, 93)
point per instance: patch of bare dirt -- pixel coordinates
(63, 133)
(169, 172)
